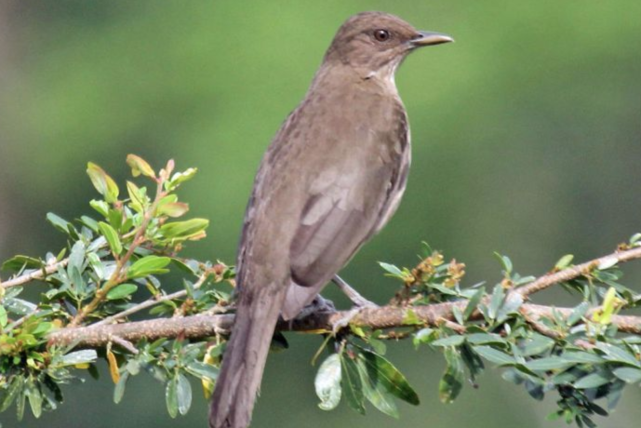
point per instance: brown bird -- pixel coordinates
(332, 177)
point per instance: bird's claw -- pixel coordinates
(318, 305)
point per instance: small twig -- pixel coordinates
(124, 344)
(19, 322)
(34, 276)
(538, 326)
(153, 301)
(141, 306)
(458, 328)
(572, 272)
(116, 277)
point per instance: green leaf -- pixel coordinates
(101, 206)
(133, 367)
(443, 289)
(614, 393)
(391, 269)
(449, 341)
(473, 302)
(328, 382)
(578, 313)
(34, 396)
(42, 328)
(173, 209)
(472, 360)
(19, 306)
(536, 344)
(424, 335)
(513, 302)
(111, 236)
(89, 222)
(171, 396)
(548, 364)
(148, 265)
(183, 394)
(104, 184)
(77, 256)
(374, 391)
(579, 357)
(188, 229)
(564, 262)
(628, 374)
(18, 263)
(137, 196)
(119, 390)
(352, 386)
(498, 294)
(115, 218)
(458, 314)
(59, 223)
(505, 262)
(20, 404)
(8, 396)
(497, 357)
(3, 317)
(485, 339)
(139, 166)
(383, 372)
(180, 177)
(121, 291)
(451, 383)
(203, 370)
(593, 380)
(79, 357)
(614, 353)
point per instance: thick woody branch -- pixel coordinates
(386, 317)
(201, 326)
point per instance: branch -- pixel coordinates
(385, 317)
(34, 276)
(572, 272)
(155, 300)
(625, 323)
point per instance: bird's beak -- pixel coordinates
(427, 38)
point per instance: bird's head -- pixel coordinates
(375, 43)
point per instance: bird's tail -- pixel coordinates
(244, 359)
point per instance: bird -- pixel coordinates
(331, 178)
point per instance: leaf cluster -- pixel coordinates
(112, 260)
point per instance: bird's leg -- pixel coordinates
(357, 299)
(353, 295)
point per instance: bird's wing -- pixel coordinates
(345, 208)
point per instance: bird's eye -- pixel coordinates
(382, 35)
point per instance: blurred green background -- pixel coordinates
(526, 132)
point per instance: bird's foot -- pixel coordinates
(357, 299)
(318, 305)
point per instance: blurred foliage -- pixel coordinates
(526, 138)
(109, 260)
